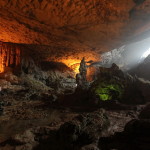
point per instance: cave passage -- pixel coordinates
(74, 75)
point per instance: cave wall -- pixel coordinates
(128, 57)
(80, 25)
(115, 56)
(10, 56)
(68, 30)
(16, 56)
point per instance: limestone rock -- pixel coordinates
(81, 77)
(83, 130)
(113, 84)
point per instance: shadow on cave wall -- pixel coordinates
(51, 65)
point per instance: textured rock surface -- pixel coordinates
(113, 85)
(82, 130)
(9, 56)
(142, 69)
(135, 136)
(54, 19)
(76, 25)
(78, 131)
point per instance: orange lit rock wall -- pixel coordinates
(67, 30)
(73, 60)
(9, 55)
(100, 24)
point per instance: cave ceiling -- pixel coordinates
(73, 25)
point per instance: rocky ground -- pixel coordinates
(41, 132)
(42, 110)
(43, 124)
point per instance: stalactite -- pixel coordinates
(9, 55)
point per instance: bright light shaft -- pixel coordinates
(146, 53)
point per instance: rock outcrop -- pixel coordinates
(112, 85)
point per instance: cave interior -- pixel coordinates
(74, 75)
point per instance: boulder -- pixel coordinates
(83, 130)
(136, 136)
(115, 85)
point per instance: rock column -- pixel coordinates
(9, 55)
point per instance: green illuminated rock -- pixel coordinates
(110, 85)
(107, 91)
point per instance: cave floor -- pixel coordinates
(20, 115)
(24, 114)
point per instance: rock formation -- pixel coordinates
(81, 77)
(77, 26)
(10, 56)
(44, 44)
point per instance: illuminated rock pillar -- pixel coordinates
(9, 56)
